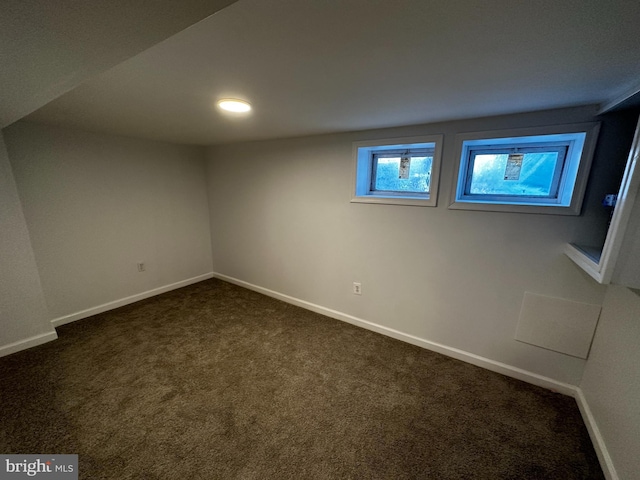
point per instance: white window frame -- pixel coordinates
(580, 140)
(364, 171)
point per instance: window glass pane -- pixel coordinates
(388, 175)
(528, 174)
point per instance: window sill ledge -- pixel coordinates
(407, 201)
(514, 208)
(589, 259)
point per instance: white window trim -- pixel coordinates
(362, 172)
(573, 208)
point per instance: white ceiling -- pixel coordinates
(49, 47)
(312, 66)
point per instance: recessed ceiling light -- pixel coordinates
(234, 105)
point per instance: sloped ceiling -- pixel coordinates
(311, 66)
(48, 47)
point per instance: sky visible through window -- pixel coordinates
(388, 175)
(534, 178)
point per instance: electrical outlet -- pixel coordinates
(357, 288)
(141, 267)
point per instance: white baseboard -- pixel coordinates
(596, 437)
(477, 360)
(56, 322)
(492, 365)
(28, 343)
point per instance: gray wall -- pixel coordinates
(95, 205)
(23, 312)
(280, 217)
(611, 382)
(282, 220)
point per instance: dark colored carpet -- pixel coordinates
(213, 381)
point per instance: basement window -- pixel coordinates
(527, 171)
(400, 171)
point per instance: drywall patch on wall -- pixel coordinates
(487, 363)
(557, 324)
(281, 218)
